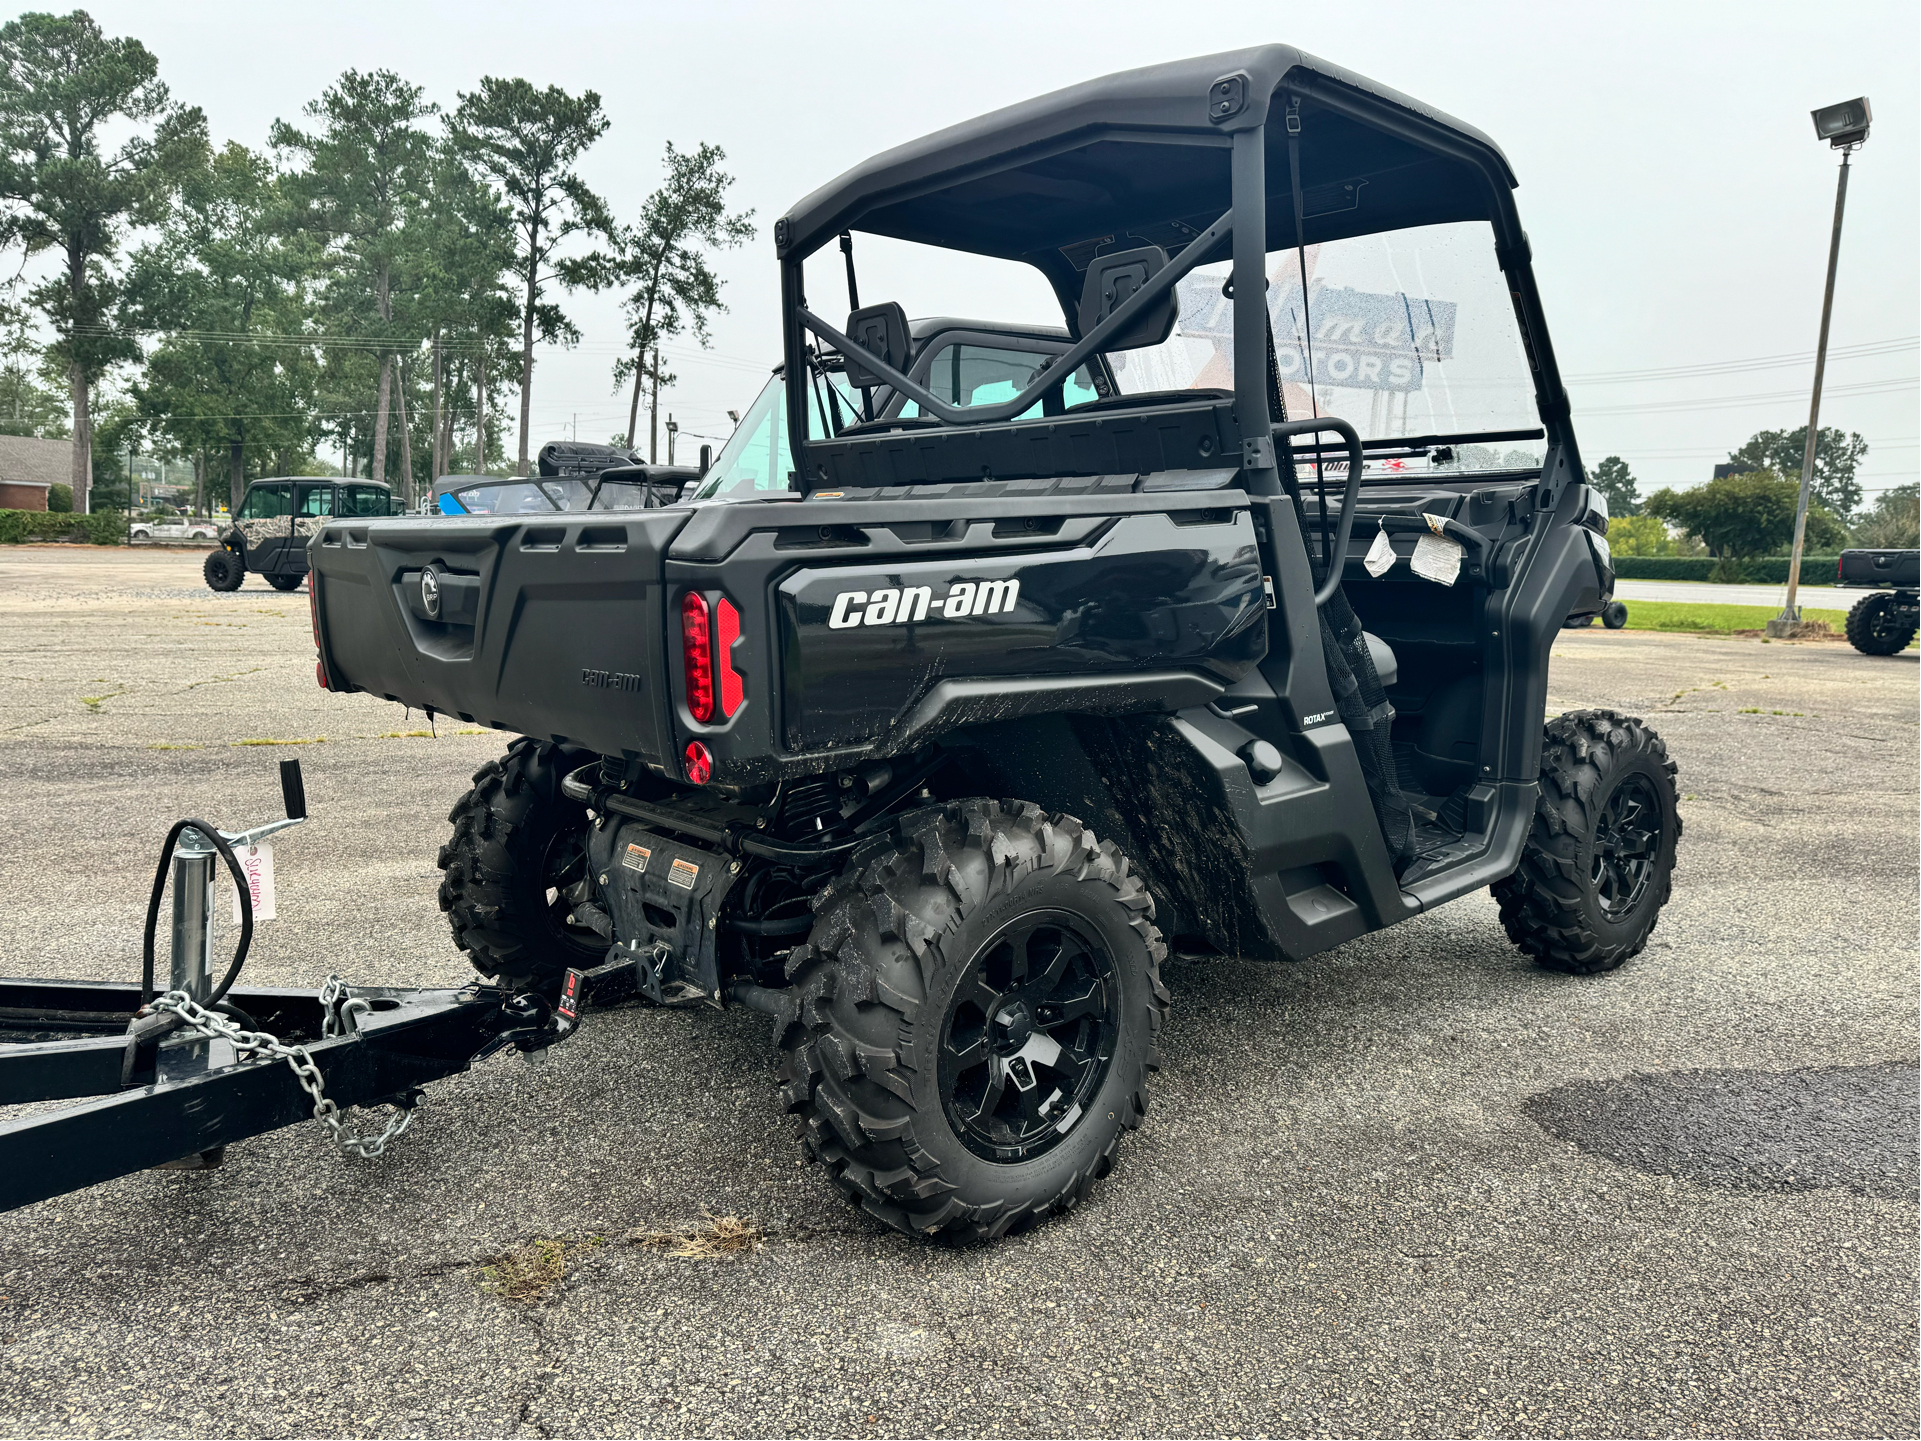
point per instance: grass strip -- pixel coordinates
(1712, 619)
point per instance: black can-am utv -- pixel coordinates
(925, 754)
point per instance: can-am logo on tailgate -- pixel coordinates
(916, 602)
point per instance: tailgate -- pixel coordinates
(1900, 568)
(548, 626)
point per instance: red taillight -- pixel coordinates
(700, 764)
(313, 618)
(728, 624)
(697, 658)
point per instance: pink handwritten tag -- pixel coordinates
(257, 863)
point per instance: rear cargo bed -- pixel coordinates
(548, 626)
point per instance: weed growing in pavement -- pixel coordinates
(720, 1236)
(426, 735)
(528, 1274)
(277, 741)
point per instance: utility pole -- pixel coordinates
(1845, 127)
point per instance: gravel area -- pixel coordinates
(1363, 1203)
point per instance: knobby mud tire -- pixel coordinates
(1550, 906)
(511, 833)
(1872, 629)
(874, 987)
(222, 570)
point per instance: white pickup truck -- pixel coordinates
(173, 530)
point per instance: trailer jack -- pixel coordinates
(171, 1080)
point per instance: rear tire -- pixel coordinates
(973, 1019)
(518, 843)
(1875, 629)
(285, 582)
(1599, 860)
(223, 570)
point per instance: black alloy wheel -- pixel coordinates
(968, 1029)
(1598, 863)
(1627, 838)
(1029, 1037)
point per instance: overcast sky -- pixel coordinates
(1678, 203)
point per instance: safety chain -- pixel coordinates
(340, 1010)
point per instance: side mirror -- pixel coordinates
(881, 330)
(1114, 279)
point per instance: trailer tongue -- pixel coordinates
(177, 1077)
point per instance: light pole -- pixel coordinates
(1845, 128)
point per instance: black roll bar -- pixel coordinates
(1192, 254)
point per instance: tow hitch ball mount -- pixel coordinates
(171, 1078)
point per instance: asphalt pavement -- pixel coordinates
(1411, 1187)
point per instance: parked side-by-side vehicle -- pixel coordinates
(1212, 610)
(276, 519)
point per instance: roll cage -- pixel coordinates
(1223, 157)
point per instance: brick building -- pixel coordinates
(28, 467)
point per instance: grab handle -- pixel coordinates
(1338, 562)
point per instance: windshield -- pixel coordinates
(756, 460)
(634, 494)
(1411, 333)
(515, 497)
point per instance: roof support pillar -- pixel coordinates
(1249, 171)
(794, 351)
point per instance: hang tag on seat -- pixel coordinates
(1379, 559)
(257, 863)
(1437, 558)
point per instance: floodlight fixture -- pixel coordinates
(1844, 126)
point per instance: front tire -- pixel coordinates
(1599, 860)
(518, 844)
(223, 570)
(973, 1019)
(1875, 627)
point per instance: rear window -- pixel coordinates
(264, 502)
(963, 373)
(365, 500)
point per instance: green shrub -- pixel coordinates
(105, 528)
(1768, 570)
(60, 498)
(1639, 535)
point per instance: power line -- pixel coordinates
(1736, 367)
(1871, 387)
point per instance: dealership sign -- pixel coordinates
(1361, 340)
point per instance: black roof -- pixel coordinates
(1066, 173)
